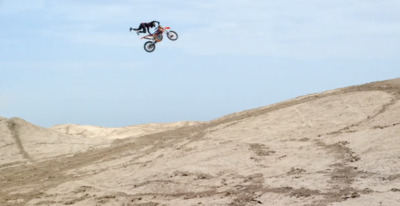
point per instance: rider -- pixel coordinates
(145, 26)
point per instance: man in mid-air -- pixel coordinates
(145, 26)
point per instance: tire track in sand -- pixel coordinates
(14, 133)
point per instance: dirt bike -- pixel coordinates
(150, 46)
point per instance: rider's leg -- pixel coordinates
(142, 28)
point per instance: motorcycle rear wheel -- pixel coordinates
(149, 46)
(172, 35)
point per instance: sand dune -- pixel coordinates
(23, 142)
(339, 147)
(118, 133)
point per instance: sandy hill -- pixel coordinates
(338, 147)
(118, 133)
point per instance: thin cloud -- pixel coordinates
(70, 66)
(95, 38)
(12, 7)
(299, 28)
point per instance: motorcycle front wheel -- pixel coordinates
(149, 46)
(173, 36)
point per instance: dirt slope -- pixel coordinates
(339, 147)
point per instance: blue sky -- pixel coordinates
(75, 61)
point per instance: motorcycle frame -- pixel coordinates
(161, 30)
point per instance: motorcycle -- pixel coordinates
(150, 46)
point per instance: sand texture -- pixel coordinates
(339, 147)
